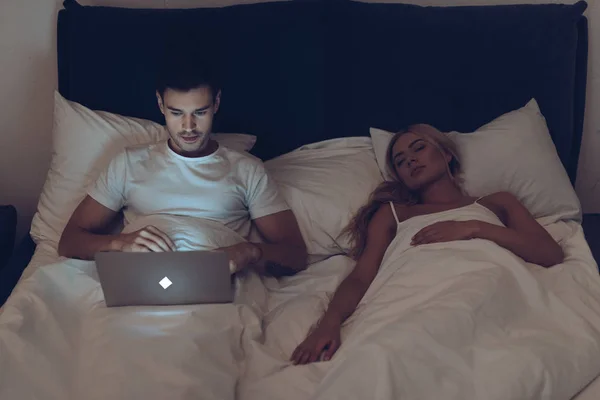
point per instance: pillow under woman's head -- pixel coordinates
(513, 153)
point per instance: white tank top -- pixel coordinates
(408, 228)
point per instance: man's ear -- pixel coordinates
(160, 103)
(217, 101)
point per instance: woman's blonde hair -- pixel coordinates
(395, 190)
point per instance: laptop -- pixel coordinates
(169, 278)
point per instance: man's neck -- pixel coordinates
(210, 147)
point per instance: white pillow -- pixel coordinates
(513, 153)
(84, 142)
(325, 184)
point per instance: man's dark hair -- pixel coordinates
(185, 72)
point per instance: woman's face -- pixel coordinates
(417, 162)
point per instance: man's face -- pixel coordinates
(189, 117)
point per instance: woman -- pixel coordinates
(424, 164)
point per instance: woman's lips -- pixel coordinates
(416, 171)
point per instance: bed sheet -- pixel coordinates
(298, 302)
(58, 341)
(44, 254)
(591, 392)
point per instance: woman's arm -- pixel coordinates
(380, 233)
(522, 235)
(324, 339)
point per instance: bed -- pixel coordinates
(304, 85)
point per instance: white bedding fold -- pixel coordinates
(59, 341)
(465, 320)
(482, 329)
(57, 333)
(461, 320)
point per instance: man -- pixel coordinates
(192, 175)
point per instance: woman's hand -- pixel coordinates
(323, 341)
(446, 231)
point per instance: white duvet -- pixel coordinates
(59, 341)
(462, 320)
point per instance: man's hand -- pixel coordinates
(242, 255)
(148, 239)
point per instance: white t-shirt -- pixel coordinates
(226, 186)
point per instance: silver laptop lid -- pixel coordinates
(169, 278)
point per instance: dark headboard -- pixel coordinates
(301, 71)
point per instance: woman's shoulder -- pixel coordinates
(383, 219)
(403, 211)
(500, 203)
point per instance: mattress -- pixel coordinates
(58, 340)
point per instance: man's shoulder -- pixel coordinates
(139, 152)
(132, 156)
(242, 158)
(143, 149)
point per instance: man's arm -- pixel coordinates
(284, 252)
(86, 234)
